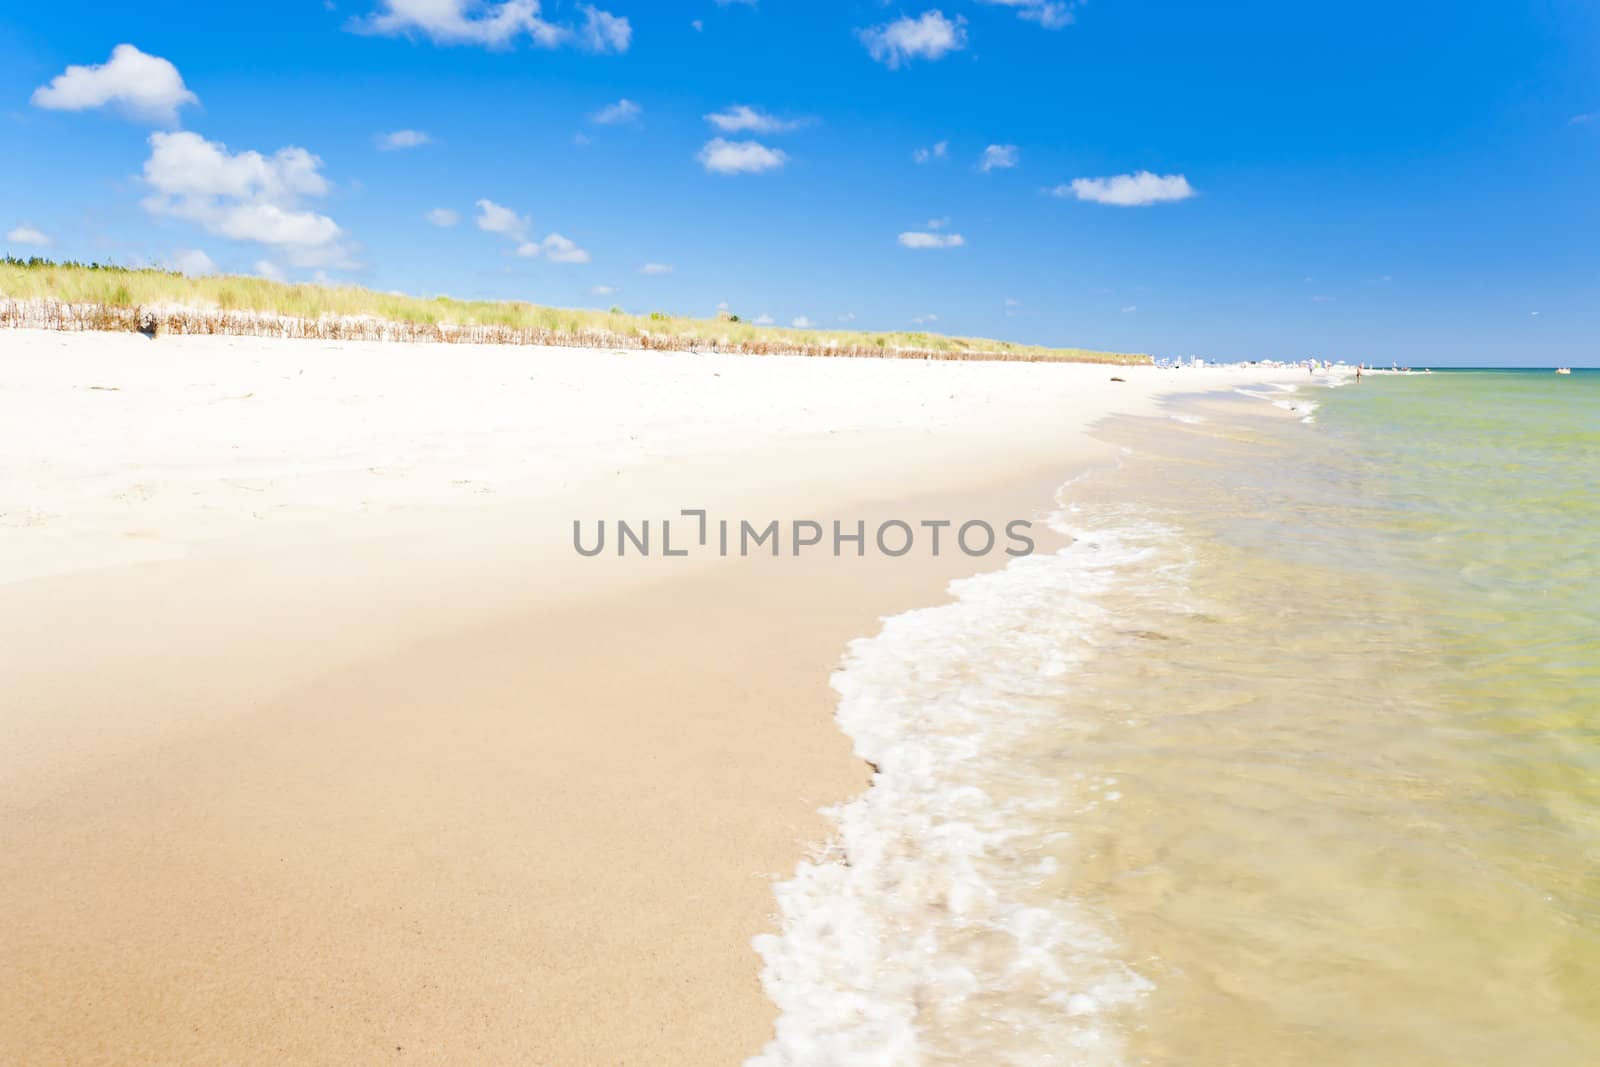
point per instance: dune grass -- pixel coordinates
(96, 296)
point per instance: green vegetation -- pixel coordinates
(100, 296)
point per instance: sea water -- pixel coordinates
(1291, 756)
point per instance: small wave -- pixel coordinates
(926, 933)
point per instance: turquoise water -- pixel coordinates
(1364, 772)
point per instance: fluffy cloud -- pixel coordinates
(495, 25)
(388, 142)
(742, 118)
(937, 151)
(494, 218)
(656, 268)
(604, 32)
(28, 235)
(1128, 190)
(141, 86)
(930, 36)
(555, 248)
(245, 196)
(720, 156)
(801, 323)
(193, 262)
(916, 239)
(1051, 14)
(999, 157)
(622, 111)
(763, 320)
(499, 219)
(442, 217)
(605, 290)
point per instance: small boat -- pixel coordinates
(1563, 370)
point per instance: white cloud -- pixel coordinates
(193, 262)
(938, 224)
(245, 196)
(848, 316)
(269, 270)
(388, 142)
(930, 36)
(141, 86)
(463, 22)
(1579, 120)
(559, 249)
(605, 290)
(940, 150)
(720, 156)
(1130, 309)
(622, 111)
(604, 32)
(442, 217)
(1128, 190)
(499, 219)
(742, 118)
(763, 320)
(494, 25)
(28, 235)
(1013, 305)
(801, 323)
(923, 320)
(656, 268)
(698, 25)
(999, 157)
(495, 218)
(913, 239)
(1051, 14)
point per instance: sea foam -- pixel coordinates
(926, 933)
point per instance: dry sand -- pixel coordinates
(319, 744)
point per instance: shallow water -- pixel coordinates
(1292, 757)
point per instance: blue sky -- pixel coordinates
(1379, 181)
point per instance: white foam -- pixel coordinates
(926, 932)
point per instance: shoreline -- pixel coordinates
(502, 807)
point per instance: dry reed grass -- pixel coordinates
(74, 296)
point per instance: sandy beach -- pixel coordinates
(320, 743)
